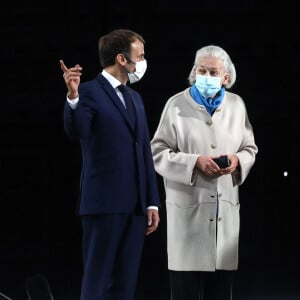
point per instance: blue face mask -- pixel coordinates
(208, 86)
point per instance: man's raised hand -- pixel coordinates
(72, 79)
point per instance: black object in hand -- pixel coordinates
(222, 161)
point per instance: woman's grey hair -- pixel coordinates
(214, 51)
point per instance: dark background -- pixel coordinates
(40, 233)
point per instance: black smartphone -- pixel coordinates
(222, 161)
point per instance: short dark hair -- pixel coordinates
(116, 42)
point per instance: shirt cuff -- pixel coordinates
(73, 103)
(152, 207)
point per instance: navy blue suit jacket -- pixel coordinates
(117, 164)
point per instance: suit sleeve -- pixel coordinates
(152, 187)
(78, 121)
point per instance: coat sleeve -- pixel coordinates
(246, 154)
(169, 162)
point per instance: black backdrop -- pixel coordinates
(40, 167)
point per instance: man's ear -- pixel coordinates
(120, 59)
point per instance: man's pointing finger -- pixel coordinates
(63, 66)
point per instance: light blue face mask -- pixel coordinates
(208, 86)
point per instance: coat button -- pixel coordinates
(220, 195)
(211, 220)
(213, 146)
(209, 122)
(220, 219)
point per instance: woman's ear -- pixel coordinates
(226, 79)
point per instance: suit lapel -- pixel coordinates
(111, 93)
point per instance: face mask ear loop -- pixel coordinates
(128, 59)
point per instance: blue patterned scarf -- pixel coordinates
(209, 103)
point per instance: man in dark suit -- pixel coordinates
(118, 190)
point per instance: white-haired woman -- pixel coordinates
(203, 123)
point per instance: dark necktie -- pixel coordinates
(128, 102)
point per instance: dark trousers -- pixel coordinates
(194, 285)
(112, 248)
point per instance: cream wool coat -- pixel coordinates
(199, 239)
